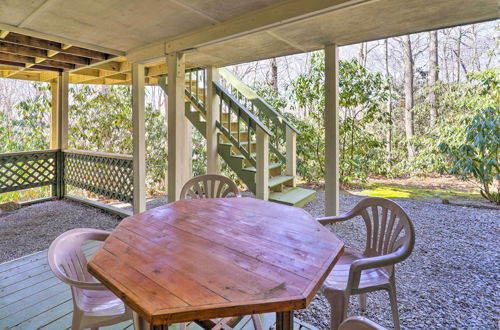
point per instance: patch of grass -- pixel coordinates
(25, 195)
(397, 191)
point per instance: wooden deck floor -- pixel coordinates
(31, 297)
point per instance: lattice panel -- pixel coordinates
(106, 176)
(27, 170)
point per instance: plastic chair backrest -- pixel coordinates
(209, 186)
(388, 227)
(66, 258)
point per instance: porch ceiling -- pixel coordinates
(212, 32)
(370, 20)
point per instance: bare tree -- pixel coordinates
(274, 74)
(433, 76)
(408, 90)
(389, 103)
(363, 49)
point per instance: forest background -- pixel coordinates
(419, 104)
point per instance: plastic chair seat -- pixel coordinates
(100, 303)
(338, 277)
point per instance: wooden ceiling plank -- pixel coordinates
(35, 13)
(3, 33)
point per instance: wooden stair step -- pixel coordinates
(271, 166)
(279, 180)
(294, 196)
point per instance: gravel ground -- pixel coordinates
(451, 280)
(33, 228)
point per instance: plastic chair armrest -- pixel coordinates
(372, 262)
(334, 219)
(87, 285)
(376, 262)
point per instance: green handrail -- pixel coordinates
(237, 106)
(277, 118)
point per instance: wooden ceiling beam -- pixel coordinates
(100, 71)
(23, 60)
(3, 33)
(41, 54)
(52, 46)
(156, 70)
(36, 66)
(24, 75)
(88, 72)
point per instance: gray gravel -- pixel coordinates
(451, 280)
(33, 228)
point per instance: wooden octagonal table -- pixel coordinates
(213, 258)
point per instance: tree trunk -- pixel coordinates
(363, 53)
(433, 76)
(445, 61)
(458, 52)
(274, 74)
(389, 106)
(408, 89)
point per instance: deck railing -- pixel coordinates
(28, 169)
(105, 174)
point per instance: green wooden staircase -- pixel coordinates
(254, 140)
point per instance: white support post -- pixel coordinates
(179, 152)
(212, 106)
(59, 132)
(291, 153)
(62, 106)
(332, 130)
(139, 138)
(262, 168)
(54, 116)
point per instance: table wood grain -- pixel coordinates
(212, 258)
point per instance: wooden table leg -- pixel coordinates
(141, 324)
(284, 320)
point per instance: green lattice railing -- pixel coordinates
(109, 175)
(30, 169)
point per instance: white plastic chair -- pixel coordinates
(390, 239)
(93, 304)
(209, 186)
